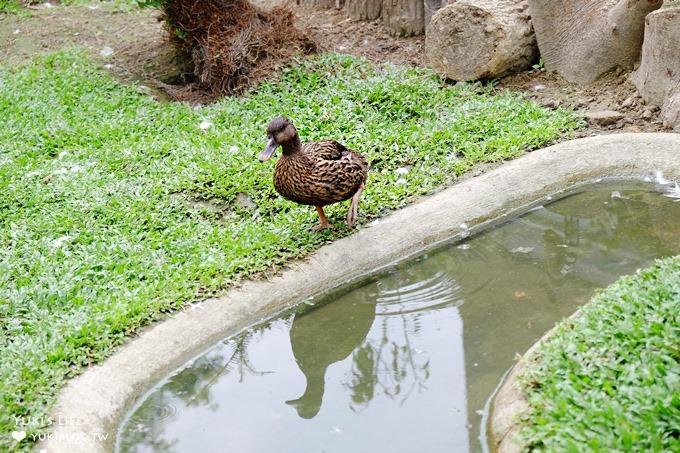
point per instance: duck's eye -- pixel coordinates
(285, 133)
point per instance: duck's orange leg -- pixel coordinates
(323, 220)
(353, 212)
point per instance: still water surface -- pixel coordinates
(407, 360)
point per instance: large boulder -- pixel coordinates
(476, 39)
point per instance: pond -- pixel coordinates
(407, 359)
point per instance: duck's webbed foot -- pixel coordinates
(323, 220)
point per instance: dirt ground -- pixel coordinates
(133, 46)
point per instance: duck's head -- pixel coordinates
(279, 132)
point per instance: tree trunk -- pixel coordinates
(320, 4)
(404, 17)
(431, 8)
(658, 77)
(583, 39)
(364, 9)
(475, 39)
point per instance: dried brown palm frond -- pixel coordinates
(233, 44)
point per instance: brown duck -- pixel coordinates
(316, 173)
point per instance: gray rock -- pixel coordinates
(604, 117)
(551, 104)
(477, 39)
(647, 114)
(670, 111)
(629, 102)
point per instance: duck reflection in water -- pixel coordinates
(323, 336)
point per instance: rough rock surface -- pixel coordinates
(604, 117)
(477, 39)
(658, 76)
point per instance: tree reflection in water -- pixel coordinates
(192, 387)
(386, 365)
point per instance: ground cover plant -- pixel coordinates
(17, 6)
(115, 208)
(609, 379)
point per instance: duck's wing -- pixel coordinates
(334, 157)
(324, 150)
(338, 171)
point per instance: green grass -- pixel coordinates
(10, 6)
(609, 380)
(15, 6)
(100, 232)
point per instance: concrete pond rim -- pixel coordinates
(93, 404)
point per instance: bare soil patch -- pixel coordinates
(134, 47)
(136, 38)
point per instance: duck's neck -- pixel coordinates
(292, 146)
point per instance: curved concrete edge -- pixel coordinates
(92, 405)
(510, 402)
